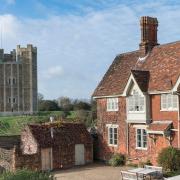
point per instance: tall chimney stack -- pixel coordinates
(148, 34)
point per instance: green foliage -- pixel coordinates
(117, 160)
(25, 174)
(171, 174)
(169, 159)
(12, 125)
(142, 163)
(48, 105)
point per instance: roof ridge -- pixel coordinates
(166, 44)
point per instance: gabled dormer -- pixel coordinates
(137, 98)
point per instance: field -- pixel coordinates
(12, 125)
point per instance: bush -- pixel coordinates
(169, 159)
(117, 160)
(25, 174)
(142, 164)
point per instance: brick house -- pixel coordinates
(138, 99)
(47, 147)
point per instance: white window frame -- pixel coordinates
(112, 126)
(140, 99)
(173, 99)
(142, 141)
(112, 104)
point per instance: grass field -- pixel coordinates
(12, 125)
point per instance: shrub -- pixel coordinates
(117, 160)
(169, 159)
(142, 164)
(25, 174)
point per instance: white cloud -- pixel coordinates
(75, 51)
(53, 72)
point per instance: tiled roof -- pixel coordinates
(159, 126)
(63, 134)
(142, 79)
(116, 77)
(163, 64)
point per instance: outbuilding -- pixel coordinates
(50, 146)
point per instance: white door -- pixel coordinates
(79, 154)
(46, 158)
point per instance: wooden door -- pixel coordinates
(79, 154)
(46, 158)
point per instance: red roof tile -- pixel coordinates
(63, 134)
(163, 64)
(160, 126)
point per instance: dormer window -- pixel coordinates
(112, 104)
(136, 102)
(169, 102)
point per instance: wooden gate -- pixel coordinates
(46, 159)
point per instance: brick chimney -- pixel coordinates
(148, 34)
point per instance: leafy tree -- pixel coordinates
(65, 103)
(48, 105)
(79, 104)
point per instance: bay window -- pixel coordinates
(136, 102)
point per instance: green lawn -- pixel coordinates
(12, 125)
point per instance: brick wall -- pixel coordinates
(104, 118)
(155, 142)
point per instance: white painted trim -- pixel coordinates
(155, 132)
(141, 148)
(122, 95)
(129, 83)
(110, 96)
(112, 125)
(140, 126)
(176, 85)
(159, 92)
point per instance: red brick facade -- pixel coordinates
(154, 70)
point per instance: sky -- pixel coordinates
(77, 40)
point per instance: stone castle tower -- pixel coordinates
(18, 81)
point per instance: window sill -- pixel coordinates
(136, 112)
(139, 148)
(163, 110)
(113, 145)
(112, 110)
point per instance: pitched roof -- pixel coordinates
(142, 79)
(162, 62)
(63, 134)
(159, 126)
(116, 77)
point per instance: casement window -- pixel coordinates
(169, 102)
(112, 104)
(112, 135)
(141, 139)
(136, 102)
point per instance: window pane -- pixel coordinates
(175, 101)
